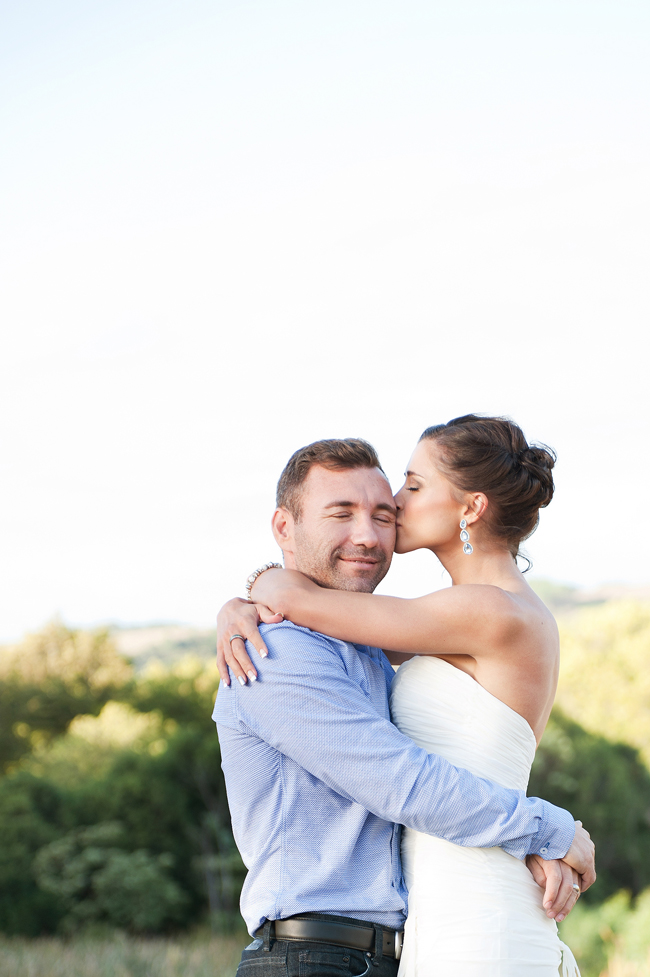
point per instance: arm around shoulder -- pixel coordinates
(468, 619)
(308, 706)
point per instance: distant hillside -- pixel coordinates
(164, 642)
(168, 643)
(561, 598)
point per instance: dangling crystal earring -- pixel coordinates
(468, 549)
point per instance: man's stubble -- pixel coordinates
(324, 567)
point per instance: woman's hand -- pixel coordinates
(242, 618)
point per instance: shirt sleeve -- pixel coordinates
(307, 707)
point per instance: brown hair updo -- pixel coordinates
(491, 455)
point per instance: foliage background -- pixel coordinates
(113, 813)
(112, 787)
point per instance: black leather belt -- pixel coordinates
(355, 934)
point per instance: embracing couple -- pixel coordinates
(327, 752)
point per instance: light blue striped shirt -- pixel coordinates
(319, 782)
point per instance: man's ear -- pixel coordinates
(282, 525)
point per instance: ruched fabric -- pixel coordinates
(473, 912)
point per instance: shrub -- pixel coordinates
(97, 881)
(30, 816)
(607, 786)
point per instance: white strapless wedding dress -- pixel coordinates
(473, 912)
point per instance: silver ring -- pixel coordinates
(576, 887)
(237, 636)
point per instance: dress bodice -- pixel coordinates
(445, 711)
(473, 912)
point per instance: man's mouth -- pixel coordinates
(360, 561)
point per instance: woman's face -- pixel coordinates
(428, 506)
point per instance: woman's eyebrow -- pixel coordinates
(415, 474)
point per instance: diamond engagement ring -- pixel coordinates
(576, 887)
(237, 636)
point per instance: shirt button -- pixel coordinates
(543, 851)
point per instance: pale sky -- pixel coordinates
(229, 229)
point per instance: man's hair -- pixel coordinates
(334, 454)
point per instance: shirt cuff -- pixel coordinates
(555, 833)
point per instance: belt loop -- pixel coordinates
(267, 935)
(379, 943)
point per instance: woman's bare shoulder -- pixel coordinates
(479, 600)
(499, 617)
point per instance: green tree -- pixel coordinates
(31, 815)
(96, 880)
(607, 786)
(50, 678)
(612, 936)
(175, 801)
(75, 759)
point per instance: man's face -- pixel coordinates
(345, 537)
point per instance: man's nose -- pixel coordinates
(364, 532)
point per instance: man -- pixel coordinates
(318, 778)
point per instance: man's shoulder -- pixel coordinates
(288, 638)
(289, 626)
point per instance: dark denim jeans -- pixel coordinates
(291, 959)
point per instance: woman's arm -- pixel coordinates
(465, 620)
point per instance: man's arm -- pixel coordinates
(307, 708)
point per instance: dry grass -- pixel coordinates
(195, 956)
(121, 956)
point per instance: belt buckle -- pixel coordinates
(399, 942)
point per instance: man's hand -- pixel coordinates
(582, 856)
(557, 878)
(240, 617)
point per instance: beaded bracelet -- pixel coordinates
(256, 573)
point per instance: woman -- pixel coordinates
(481, 666)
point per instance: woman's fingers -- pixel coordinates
(267, 616)
(221, 662)
(238, 661)
(237, 622)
